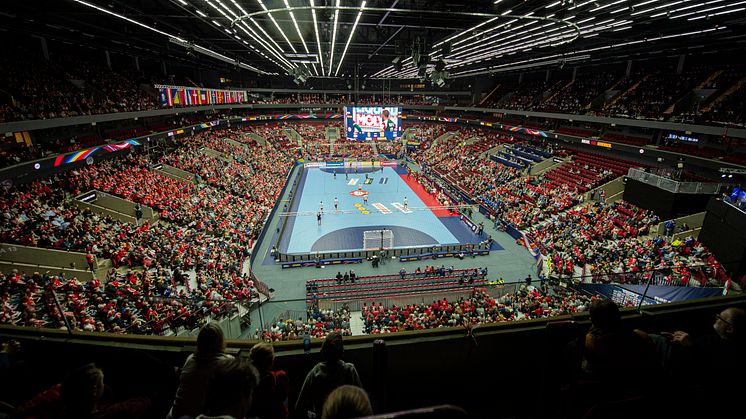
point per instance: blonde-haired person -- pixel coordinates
(347, 402)
(271, 395)
(190, 396)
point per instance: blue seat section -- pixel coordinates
(515, 159)
(506, 162)
(536, 151)
(532, 157)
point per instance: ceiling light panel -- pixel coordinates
(349, 38)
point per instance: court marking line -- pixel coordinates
(382, 208)
(400, 207)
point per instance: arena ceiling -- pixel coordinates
(392, 38)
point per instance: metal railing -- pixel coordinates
(673, 185)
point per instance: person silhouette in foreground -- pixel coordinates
(270, 396)
(230, 390)
(613, 353)
(712, 357)
(325, 376)
(190, 396)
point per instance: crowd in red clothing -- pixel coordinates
(479, 308)
(315, 139)
(319, 323)
(209, 231)
(145, 302)
(588, 239)
(355, 149)
(608, 242)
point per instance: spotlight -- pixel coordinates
(397, 62)
(439, 78)
(299, 74)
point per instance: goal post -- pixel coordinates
(378, 239)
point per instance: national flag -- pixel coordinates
(169, 97)
(195, 97)
(533, 249)
(163, 97)
(176, 99)
(203, 97)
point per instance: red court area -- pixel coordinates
(425, 196)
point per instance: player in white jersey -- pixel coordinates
(336, 204)
(321, 207)
(405, 203)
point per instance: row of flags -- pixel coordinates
(184, 96)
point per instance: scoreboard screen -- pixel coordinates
(373, 122)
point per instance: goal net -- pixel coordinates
(377, 239)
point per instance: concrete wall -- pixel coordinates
(613, 190)
(236, 143)
(684, 234)
(105, 211)
(217, 154)
(257, 137)
(544, 165)
(122, 206)
(29, 259)
(444, 137)
(30, 268)
(176, 173)
(695, 221)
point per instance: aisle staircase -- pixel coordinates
(356, 323)
(688, 96)
(725, 95)
(558, 91)
(628, 91)
(489, 95)
(331, 140)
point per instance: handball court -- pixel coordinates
(369, 198)
(506, 260)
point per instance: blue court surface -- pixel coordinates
(342, 229)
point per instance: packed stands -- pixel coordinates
(657, 91)
(479, 308)
(45, 90)
(318, 324)
(578, 96)
(604, 241)
(208, 234)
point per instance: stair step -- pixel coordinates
(356, 323)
